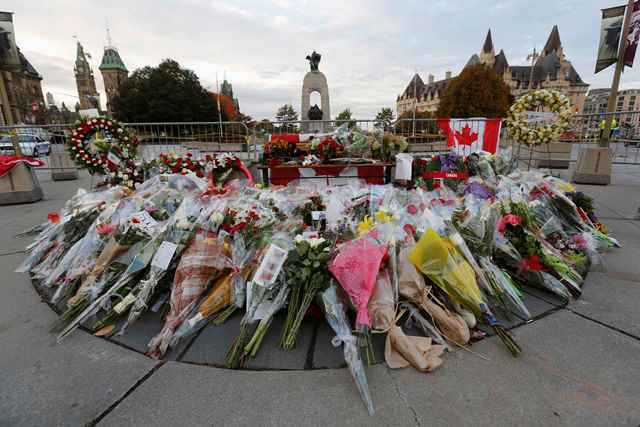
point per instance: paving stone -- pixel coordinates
(611, 301)
(624, 199)
(568, 374)
(271, 356)
(537, 306)
(211, 345)
(138, 335)
(45, 383)
(182, 394)
(546, 296)
(326, 355)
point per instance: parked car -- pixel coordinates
(30, 145)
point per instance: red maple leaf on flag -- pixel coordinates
(466, 137)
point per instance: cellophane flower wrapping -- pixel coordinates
(176, 236)
(356, 268)
(412, 287)
(439, 260)
(336, 317)
(204, 259)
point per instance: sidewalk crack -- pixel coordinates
(601, 323)
(126, 394)
(402, 397)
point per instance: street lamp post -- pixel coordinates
(533, 57)
(594, 163)
(613, 95)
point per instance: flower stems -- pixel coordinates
(237, 348)
(252, 348)
(292, 310)
(309, 295)
(508, 340)
(68, 316)
(224, 315)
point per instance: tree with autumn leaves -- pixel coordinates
(477, 92)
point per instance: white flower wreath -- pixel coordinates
(524, 132)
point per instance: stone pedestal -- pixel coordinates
(62, 167)
(593, 166)
(315, 81)
(20, 185)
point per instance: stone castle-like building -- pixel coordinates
(551, 70)
(21, 99)
(113, 71)
(87, 92)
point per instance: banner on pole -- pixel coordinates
(634, 35)
(609, 37)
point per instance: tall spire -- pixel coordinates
(488, 43)
(82, 64)
(553, 42)
(109, 43)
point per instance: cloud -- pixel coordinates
(370, 48)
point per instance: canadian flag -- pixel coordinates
(472, 135)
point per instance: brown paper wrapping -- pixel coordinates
(382, 303)
(402, 350)
(411, 286)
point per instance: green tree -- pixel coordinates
(477, 92)
(385, 118)
(284, 115)
(345, 116)
(166, 93)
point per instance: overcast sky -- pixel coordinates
(369, 48)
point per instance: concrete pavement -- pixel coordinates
(580, 364)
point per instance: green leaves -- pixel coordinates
(302, 248)
(306, 266)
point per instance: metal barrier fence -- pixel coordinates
(424, 137)
(584, 131)
(198, 138)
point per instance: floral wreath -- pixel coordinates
(114, 157)
(218, 167)
(524, 132)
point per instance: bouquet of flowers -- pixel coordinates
(478, 236)
(328, 149)
(279, 148)
(266, 293)
(205, 259)
(390, 145)
(516, 225)
(438, 258)
(307, 275)
(336, 317)
(176, 237)
(450, 168)
(356, 267)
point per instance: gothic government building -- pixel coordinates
(21, 99)
(113, 72)
(551, 70)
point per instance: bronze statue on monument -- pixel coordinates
(314, 60)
